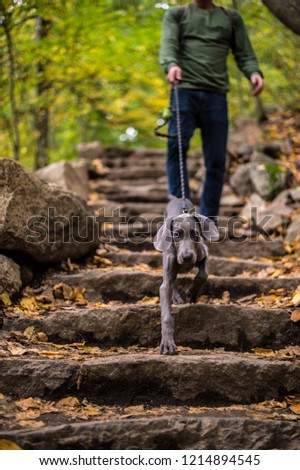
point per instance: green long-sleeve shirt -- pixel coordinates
(207, 37)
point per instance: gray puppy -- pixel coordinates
(182, 243)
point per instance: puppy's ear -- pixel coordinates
(208, 228)
(163, 239)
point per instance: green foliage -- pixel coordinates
(103, 73)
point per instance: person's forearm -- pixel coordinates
(169, 48)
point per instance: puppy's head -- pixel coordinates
(184, 235)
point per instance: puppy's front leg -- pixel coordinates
(198, 282)
(170, 269)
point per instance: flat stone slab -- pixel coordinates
(198, 326)
(227, 248)
(204, 378)
(222, 431)
(218, 265)
(134, 285)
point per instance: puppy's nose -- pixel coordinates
(187, 258)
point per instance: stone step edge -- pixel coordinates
(197, 326)
(172, 432)
(208, 378)
(134, 284)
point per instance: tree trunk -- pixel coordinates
(287, 11)
(42, 111)
(12, 82)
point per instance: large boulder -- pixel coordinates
(72, 176)
(10, 277)
(268, 177)
(240, 181)
(293, 232)
(42, 220)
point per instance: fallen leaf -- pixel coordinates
(296, 298)
(149, 300)
(265, 352)
(31, 424)
(29, 333)
(9, 445)
(5, 299)
(16, 350)
(295, 317)
(30, 414)
(72, 402)
(1, 396)
(28, 403)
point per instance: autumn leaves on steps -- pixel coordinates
(79, 358)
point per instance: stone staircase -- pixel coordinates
(227, 387)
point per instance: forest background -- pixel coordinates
(81, 70)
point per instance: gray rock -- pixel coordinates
(210, 430)
(41, 219)
(293, 232)
(10, 278)
(295, 194)
(70, 176)
(272, 149)
(240, 181)
(251, 210)
(126, 284)
(90, 150)
(245, 151)
(268, 177)
(200, 325)
(117, 379)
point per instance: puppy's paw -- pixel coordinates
(192, 296)
(168, 346)
(177, 299)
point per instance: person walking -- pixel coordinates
(196, 40)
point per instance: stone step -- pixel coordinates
(134, 173)
(245, 249)
(222, 430)
(198, 326)
(205, 378)
(138, 208)
(118, 284)
(218, 266)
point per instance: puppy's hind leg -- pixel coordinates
(198, 282)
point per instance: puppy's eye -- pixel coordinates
(178, 235)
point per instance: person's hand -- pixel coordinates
(257, 84)
(174, 75)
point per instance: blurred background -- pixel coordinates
(81, 70)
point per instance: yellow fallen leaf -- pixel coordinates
(296, 298)
(30, 414)
(265, 352)
(16, 350)
(149, 300)
(295, 317)
(72, 402)
(41, 337)
(28, 303)
(90, 411)
(31, 424)
(28, 403)
(295, 408)
(100, 260)
(5, 299)
(9, 445)
(29, 333)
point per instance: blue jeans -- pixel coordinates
(206, 110)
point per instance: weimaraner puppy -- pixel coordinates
(182, 243)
